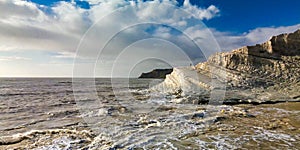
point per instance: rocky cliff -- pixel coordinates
(267, 72)
(156, 73)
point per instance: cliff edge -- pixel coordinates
(263, 73)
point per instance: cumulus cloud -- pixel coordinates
(116, 25)
(207, 13)
(20, 9)
(26, 25)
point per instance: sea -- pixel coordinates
(112, 114)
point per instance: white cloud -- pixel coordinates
(26, 26)
(200, 13)
(13, 58)
(163, 32)
(18, 9)
(229, 41)
(65, 55)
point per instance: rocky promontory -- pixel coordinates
(263, 73)
(156, 73)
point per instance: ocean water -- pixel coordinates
(124, 114)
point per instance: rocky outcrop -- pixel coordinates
(272, 62)
(156, 73)
(267, 72)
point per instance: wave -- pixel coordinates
(45, 139)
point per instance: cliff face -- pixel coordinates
(274, 61)
(270, 68)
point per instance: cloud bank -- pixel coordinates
(56, 30)
(28, 26)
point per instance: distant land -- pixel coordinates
(156, 73)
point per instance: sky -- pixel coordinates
(120, 38)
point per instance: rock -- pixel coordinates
(157, 73)
(198, 115)
(220, 118)
(263, 73)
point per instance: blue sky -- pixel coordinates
(238, 15)
(242, 16)
(41, 37)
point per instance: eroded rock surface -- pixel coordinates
(264, 73)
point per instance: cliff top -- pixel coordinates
(287, 44)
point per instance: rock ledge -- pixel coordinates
(263, 73)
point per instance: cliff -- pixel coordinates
(157, 73)
(264, 73)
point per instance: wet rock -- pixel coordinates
(165, 108)
(220, 118)
(198, 115)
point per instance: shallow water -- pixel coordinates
(44, 114)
